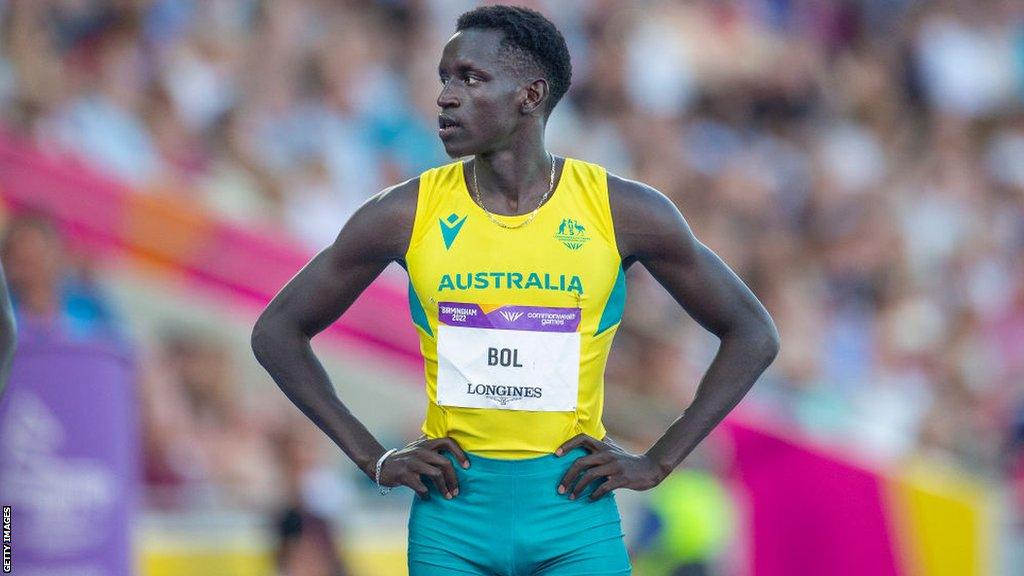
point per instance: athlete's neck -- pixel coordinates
(511, 181)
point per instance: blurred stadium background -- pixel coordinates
(166, 165)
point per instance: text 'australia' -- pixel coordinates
(508, 280)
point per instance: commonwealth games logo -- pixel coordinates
(572, 233)
(511, 316)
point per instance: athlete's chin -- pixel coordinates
(458, 149)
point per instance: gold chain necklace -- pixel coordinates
(480, 201)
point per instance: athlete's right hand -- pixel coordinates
(423, 457)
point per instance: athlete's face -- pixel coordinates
(481, 99)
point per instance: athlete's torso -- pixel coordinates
(515, 325)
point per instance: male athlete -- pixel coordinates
(516, 260)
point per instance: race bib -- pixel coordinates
(511, 358)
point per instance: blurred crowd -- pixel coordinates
(860, 164)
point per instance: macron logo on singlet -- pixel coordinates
(450, 228)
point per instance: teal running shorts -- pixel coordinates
(510, 520)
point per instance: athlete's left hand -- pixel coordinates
(607, 459)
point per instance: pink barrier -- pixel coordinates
(106, 219)
(811, 513)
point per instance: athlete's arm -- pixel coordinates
(376, 235)
(650, 229)
(8, 333)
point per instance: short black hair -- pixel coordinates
(533, 36)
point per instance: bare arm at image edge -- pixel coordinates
(8, 333)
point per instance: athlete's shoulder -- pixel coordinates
(643, 216)
(440, 176)
(384, 222)
(636, 202)
(395, 201)
(588, 166)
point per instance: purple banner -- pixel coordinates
(68, 456)
(529, 318)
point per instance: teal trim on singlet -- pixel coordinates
(419, 315)
(612, 313)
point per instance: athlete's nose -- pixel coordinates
(446, 99)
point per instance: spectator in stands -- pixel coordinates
(307, 541)
(208, 441)
(688, 527)
(44, 291)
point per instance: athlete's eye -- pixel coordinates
(472, 80)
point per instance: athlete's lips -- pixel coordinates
(446, 125)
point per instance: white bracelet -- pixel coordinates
(380, 462)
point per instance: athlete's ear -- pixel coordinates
(536, 96)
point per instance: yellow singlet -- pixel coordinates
(515, 325)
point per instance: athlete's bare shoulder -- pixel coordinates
(647, 223)
(376, 235)
(380, 229)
